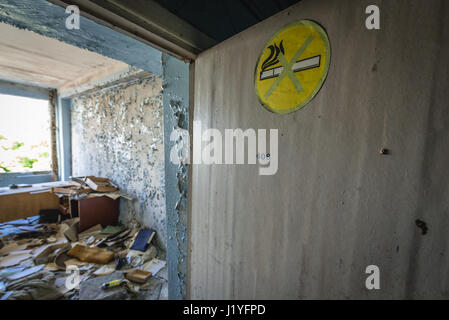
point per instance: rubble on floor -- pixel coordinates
(43, 260)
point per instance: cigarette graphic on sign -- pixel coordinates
(292, 67)
(300, 65)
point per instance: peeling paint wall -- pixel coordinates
(176, 116)
(118, 133)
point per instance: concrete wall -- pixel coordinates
(118, 133)
(335, 205)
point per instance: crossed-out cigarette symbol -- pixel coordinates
(289, 68)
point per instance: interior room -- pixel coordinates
(72, 116)
(224, 150)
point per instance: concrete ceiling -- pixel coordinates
(29, 58)
(179, 27)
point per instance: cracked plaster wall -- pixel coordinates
(118, 133)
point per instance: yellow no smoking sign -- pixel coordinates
(292, 67)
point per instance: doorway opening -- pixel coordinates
(112, 111)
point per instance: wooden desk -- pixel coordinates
(26, 202)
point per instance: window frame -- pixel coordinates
(27, 91)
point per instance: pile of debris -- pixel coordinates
(42, 260)
(90, 186)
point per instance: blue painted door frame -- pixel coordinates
(176, 116)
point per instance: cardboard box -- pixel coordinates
(72, 232)
(100, 184)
